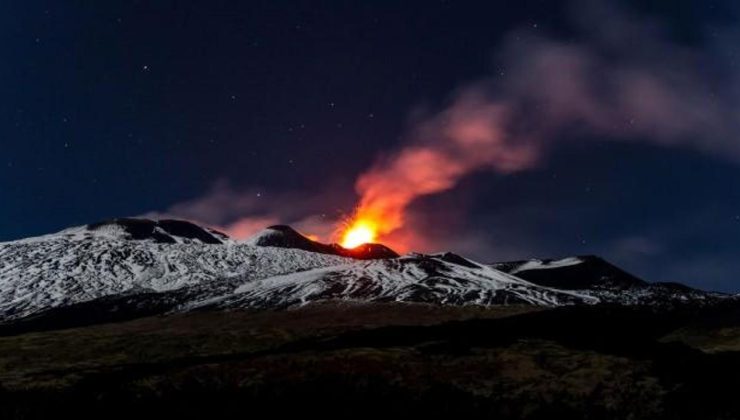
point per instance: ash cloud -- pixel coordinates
(623, 79)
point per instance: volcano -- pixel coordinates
(283, 236)
(131, 316)
(176, 266)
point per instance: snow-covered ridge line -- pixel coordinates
(547, 264)
(76, 266)
(417, 278)
(193, 267)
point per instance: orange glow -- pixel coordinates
(469, 136)
(359, 232)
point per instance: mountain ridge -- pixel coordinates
(284, 236)
(178, 266)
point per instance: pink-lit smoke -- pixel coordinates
(624, 81)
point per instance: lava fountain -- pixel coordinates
(358, 232)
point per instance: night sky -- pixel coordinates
(269, 110)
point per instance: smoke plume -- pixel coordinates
(621, 77)
(623, 80)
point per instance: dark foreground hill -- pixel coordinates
(370, 360)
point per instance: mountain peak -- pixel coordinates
(161, 231)
(284, 236)
(581, 272)
(123, 260)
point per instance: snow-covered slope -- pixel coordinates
(596, 277)
(89, 262)
(283, 236)
(180, 266)
(412, 278)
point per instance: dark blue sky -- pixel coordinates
(122, 108)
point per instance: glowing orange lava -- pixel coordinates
(359, 232)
